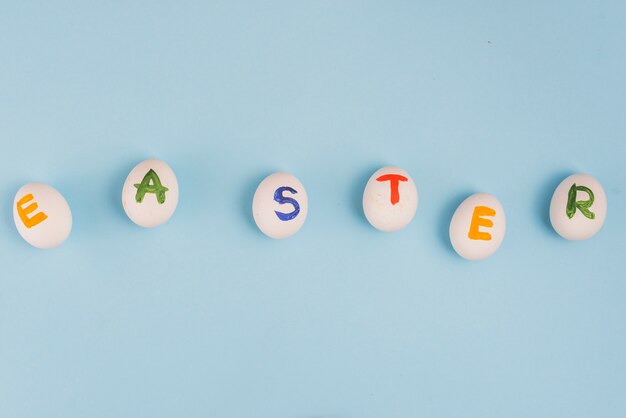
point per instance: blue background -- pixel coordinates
(205, 316)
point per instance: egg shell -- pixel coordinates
(42, 216)
(280, 205)
(390, 199)
(471, 233)
(159, 202)
(578, 226)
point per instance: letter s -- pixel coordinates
(278, 197)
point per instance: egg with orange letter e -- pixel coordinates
(42, 216)
(478, 226)
(390, 199)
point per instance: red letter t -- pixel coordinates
(394, 180)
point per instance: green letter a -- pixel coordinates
(582, 205)
(151, 184)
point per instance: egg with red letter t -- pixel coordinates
(578, 207)
(42, 215)
(280, 205)
(150, 193)
(390, 199)
(478, 226)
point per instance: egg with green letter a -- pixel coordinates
(578, 207)
(150, 193)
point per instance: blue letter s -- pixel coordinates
(278, 196)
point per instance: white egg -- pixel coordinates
(578, 207)
(42, 215)
(390, 199)
(280, 205)
(478, 227)
(150, 193)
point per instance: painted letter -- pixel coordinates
(478, 221)
(23, 212)
(151, 184)
(582, 205)
(278, 196)
(394, 180)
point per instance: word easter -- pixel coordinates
(280, 205)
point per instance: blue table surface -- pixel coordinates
(207, 317)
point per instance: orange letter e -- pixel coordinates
(478, 221)
(36, 219)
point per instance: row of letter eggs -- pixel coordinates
(280, 204)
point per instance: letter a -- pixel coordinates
(394, 180)
(23, 212)
(582, 205)
(478, 221)
(151, 184)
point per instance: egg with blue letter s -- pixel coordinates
(42, 215)
(150, 193)
(280, 205)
